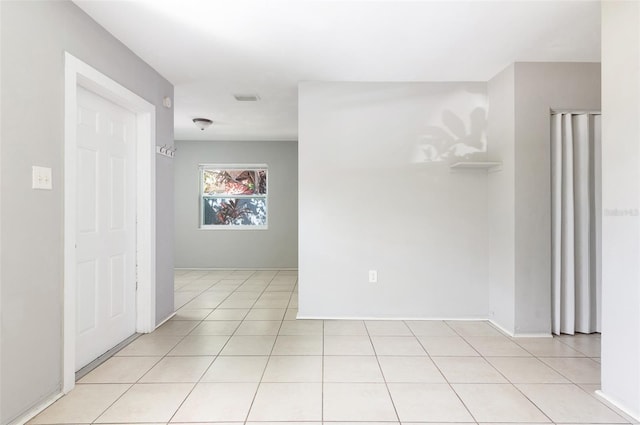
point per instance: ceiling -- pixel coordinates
(213, 49)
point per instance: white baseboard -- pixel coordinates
(520, 334)
(500, 327)
(165, 320)
(213, 269)
(32, 413)
(533, 335)
(618, 406)
(452, 319)
(416, 319)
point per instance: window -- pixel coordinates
(233, 196)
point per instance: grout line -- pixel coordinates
(292, 293)
(162, 357)
(463, 339)
(86, 370)
(446, 380)
(215, 357)
(386, 384)
(532, 402)
(255, 394)
(507, 379)
(555, 369)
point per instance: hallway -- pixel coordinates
(234, 353)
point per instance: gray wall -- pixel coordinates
(164, 214)
(501, 199)
(276, 247)
(537, 88)
(377, 193)
(621, 193)
(34, 37)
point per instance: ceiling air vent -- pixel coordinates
(246, 97)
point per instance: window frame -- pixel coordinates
(201, 196)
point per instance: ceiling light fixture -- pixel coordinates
(202, 123)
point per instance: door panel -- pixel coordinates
(87, 282)
(86, 193)
(118, 286)
(105, 253)
(117, 191)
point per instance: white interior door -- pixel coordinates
(106, 220)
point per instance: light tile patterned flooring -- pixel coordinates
(234, 353)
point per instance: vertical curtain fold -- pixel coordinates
(575, 283)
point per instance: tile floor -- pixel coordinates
(234, 353)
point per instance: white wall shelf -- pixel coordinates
(477, 165)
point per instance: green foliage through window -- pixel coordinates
(233, 196)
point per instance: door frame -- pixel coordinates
(78, 73)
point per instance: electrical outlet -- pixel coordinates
(41, 178)
(373, 276)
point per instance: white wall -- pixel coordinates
(34, 37)
(520, 200)
(276, 247)
(501, 200)
(621, 200)
(372, 197)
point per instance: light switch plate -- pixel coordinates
(373, 276)
(41, 178)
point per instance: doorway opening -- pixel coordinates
(576, 222)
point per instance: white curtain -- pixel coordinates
(575, 181)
